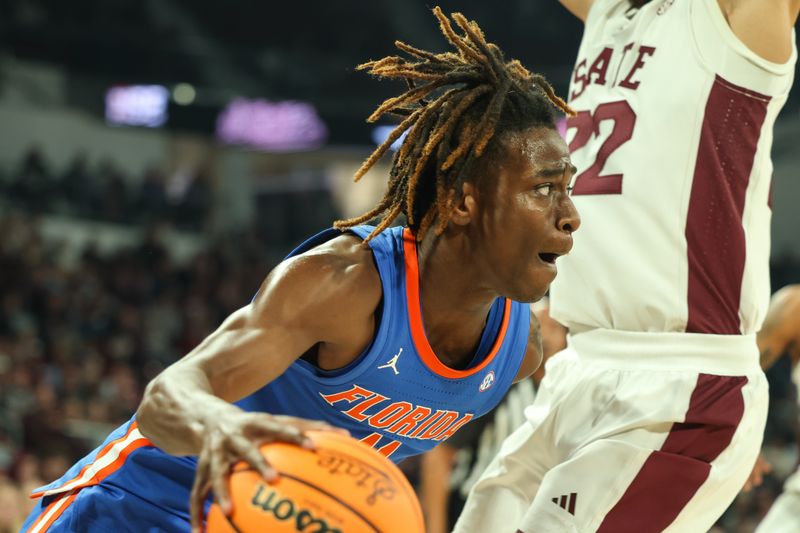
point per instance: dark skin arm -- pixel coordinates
(547, 338)
(554, 339)
(434, 487)
(779, 334)
(324, 300)
(533, 354)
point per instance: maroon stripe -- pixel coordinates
(714, 234)
(572, 497)
(670, 477)
(563, 502)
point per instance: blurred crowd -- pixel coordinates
(104, 192)
(78, 343)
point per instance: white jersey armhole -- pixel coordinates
(721, 52)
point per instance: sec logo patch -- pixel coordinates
(487, 382)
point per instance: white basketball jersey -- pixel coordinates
(672, 143)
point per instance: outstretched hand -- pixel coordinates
(237, 438)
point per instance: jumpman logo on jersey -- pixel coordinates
(392, 363)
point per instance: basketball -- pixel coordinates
(344, 486)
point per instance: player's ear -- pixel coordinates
(466, 206)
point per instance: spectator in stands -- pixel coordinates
(74, 185)
(32, 183)
(107, 193)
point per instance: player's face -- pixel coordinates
(526, 218)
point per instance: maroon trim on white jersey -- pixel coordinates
(715, 236)
(671, 476)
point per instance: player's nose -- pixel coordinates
(569, 220)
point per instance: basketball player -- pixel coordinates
(781, 335)
(399, 335)
(653, 416)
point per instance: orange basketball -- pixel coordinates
(344, 486)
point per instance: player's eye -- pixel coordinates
(544, 189)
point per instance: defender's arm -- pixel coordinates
(579, 8)
(764, 27)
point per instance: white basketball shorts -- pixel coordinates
(629, 432)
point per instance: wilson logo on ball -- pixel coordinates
(285, 509)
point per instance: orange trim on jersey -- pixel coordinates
(109, 469)
(113, 467)
(46, 519)
(415, 318)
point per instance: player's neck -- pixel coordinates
(454, 298)
(450, 274)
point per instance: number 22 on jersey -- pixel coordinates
(587, 124)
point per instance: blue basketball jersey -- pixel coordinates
(396, 396)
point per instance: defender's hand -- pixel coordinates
(237, 438)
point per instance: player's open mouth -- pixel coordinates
(548, 258)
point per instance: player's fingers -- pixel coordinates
(218, 477)
(272, 429)
(199, 490)
(253, 457)
(196, 508)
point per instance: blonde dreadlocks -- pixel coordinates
(454, 105)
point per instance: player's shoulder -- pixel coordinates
(337, 274)
(344, 256)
